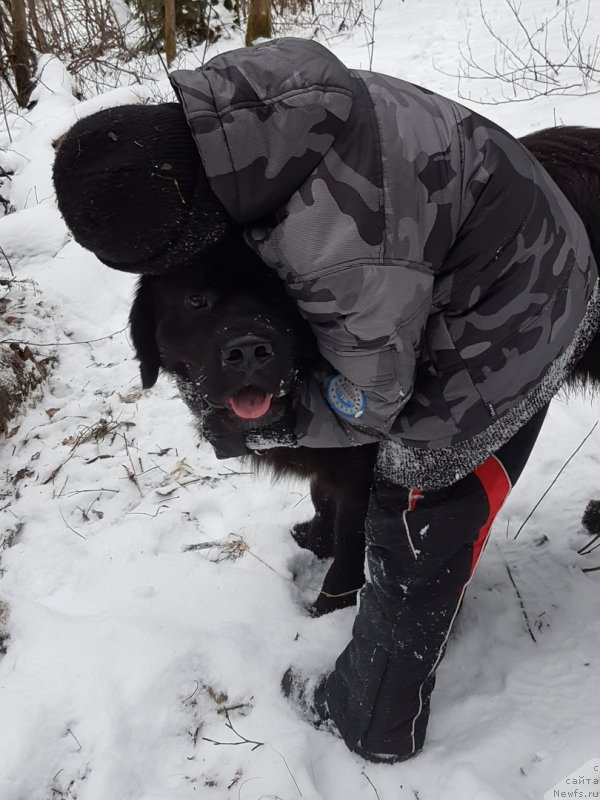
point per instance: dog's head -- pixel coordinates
(227, 330)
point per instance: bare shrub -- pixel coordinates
(83, 33)
(559, 54)
(79, 31)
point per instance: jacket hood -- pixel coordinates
(263, 118)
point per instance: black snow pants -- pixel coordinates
(422, 548)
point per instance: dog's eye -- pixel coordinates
(196, 301)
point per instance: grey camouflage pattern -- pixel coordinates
(434, 469)
(440, 267)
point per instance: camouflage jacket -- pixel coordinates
(441, 269)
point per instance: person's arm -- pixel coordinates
(369, 321)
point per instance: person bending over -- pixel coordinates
(449, 284)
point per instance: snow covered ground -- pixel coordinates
(140, 669)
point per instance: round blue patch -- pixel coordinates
(346, 399)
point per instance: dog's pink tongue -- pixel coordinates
(250, 403)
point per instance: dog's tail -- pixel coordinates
(571, 155)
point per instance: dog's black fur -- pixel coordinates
(229, 326)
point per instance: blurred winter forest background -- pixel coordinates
(107, 42)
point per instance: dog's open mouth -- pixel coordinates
(250, 402)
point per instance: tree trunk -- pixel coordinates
(21, 58)
(170, 31)
(259, 21)
(39, 37)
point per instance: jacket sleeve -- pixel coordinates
(375, 350)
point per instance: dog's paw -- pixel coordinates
(591, 518)
(311, 536)
(325, 604)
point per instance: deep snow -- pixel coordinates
(126, 647)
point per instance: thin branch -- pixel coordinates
(243, 739)
(559, 473)
(62, 344)
(589, 547)
(76, 739)
(133, 475)
(364, 774)
(526, 67)
(154, 39)
(288, 769)
(81, 536)
(520, 603)
(7, 259)
(187, 699)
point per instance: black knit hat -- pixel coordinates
(131, 187)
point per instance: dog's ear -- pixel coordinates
(142, 324)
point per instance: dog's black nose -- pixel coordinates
(246, 352)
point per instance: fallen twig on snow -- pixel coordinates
(558, 474)
(243, 739)
(512, 580)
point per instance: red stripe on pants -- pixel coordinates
(496, 484)
(413, 496)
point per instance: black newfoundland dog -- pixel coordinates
(230, 332)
